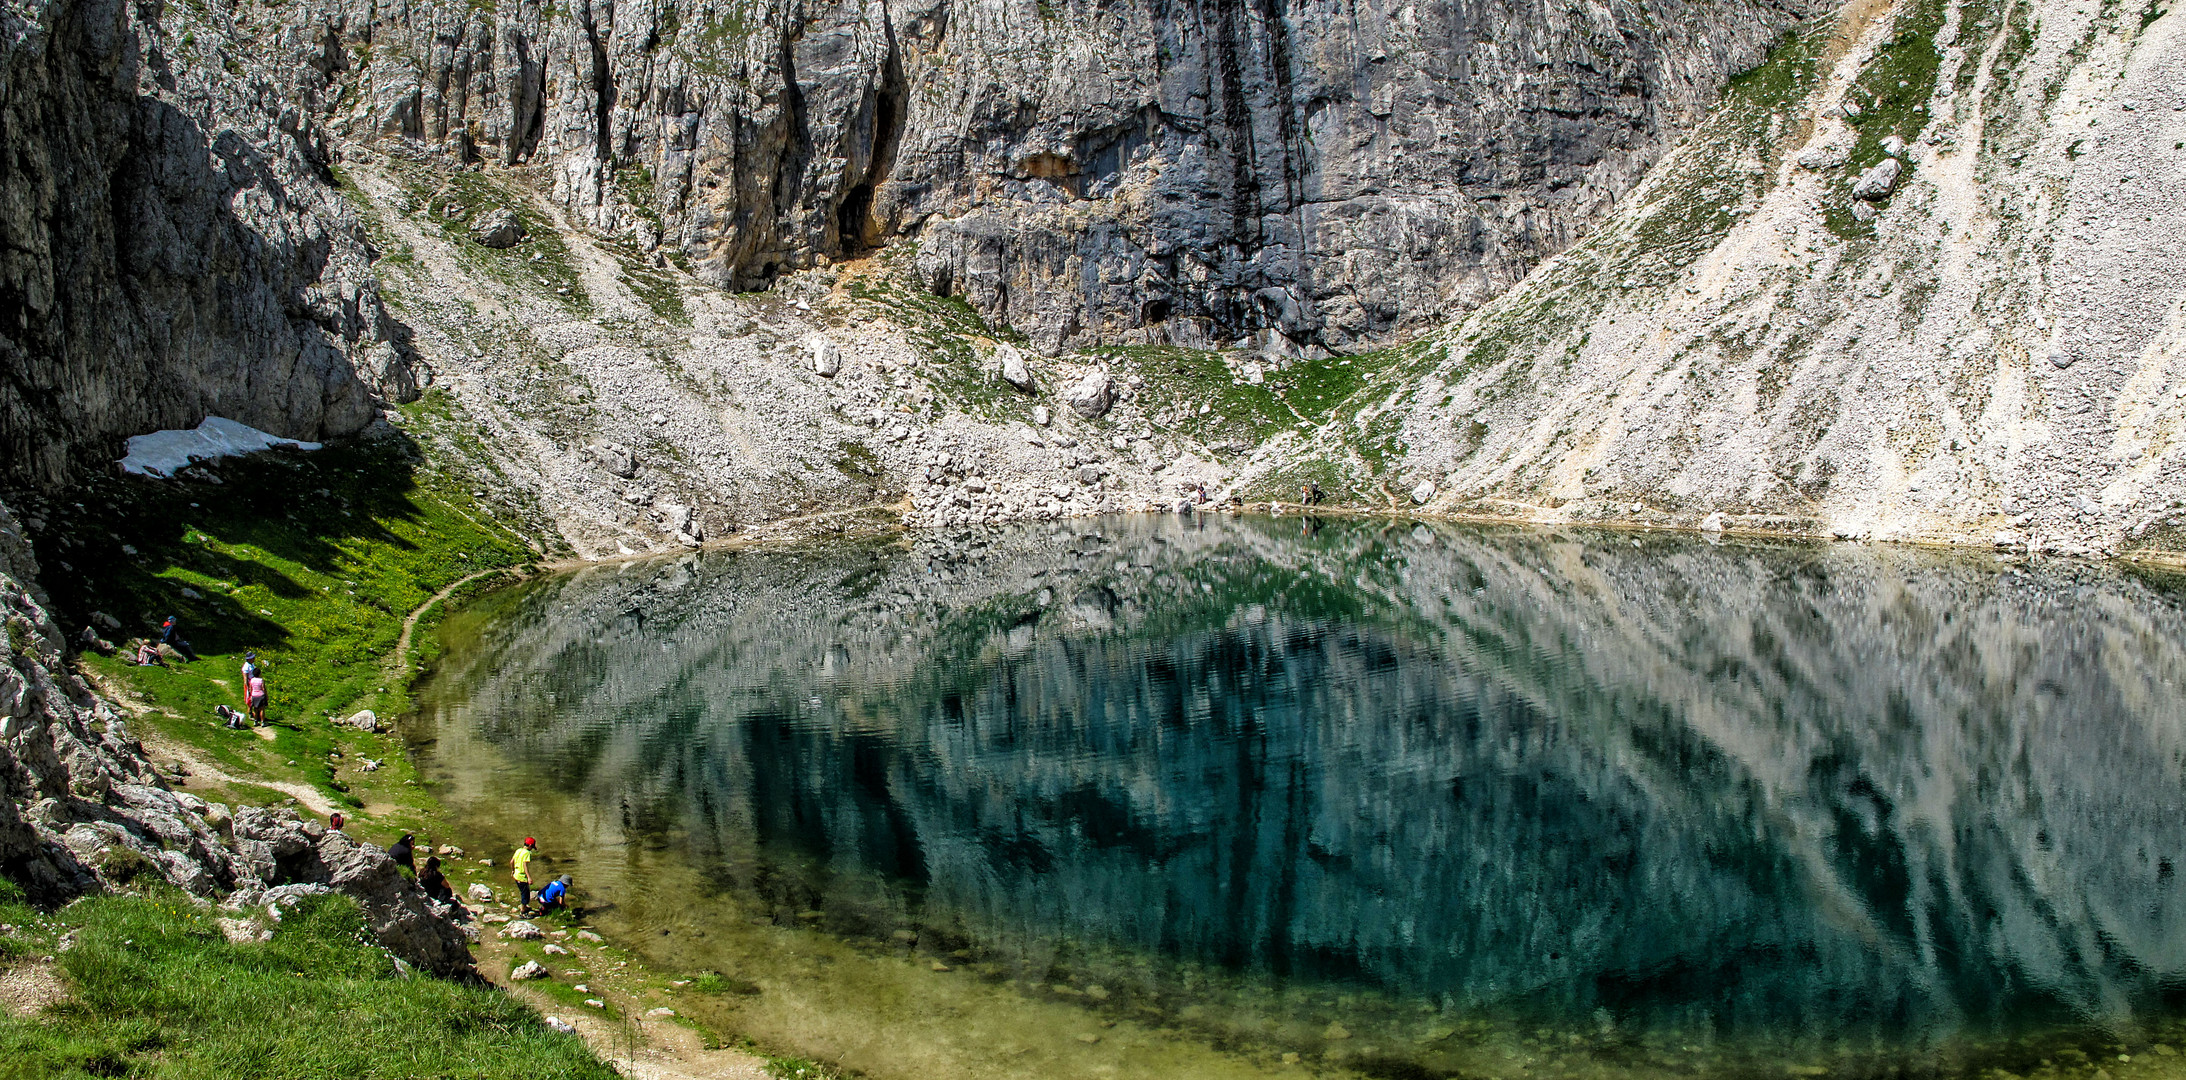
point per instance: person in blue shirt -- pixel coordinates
(555, 897)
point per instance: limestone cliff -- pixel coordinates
(1308, 174)
(168, 248)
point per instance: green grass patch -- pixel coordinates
(158, 991)
(313, 560)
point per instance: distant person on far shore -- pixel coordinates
(521, 864)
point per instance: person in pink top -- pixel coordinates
(256, 699)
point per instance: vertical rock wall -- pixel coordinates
(1313, 173)
(169, 246)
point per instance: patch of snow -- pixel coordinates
(160, 453)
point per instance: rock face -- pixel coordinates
(170, 246)
(275, 850)
(1303, 174)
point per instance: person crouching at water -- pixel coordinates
(521, 862)
(555, 897)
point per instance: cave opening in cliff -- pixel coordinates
(857, 230)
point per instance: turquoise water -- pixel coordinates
(1392, 799)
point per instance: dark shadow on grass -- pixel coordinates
(295, 506)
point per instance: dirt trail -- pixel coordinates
(29, 987)
(409, 622)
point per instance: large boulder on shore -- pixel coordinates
(275, 847)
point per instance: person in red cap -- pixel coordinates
(521, 861)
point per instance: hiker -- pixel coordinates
(250, 666)
(334, 821)
(147, 656)
(521, 861)
(555, 897)
(435, 883)
(230, 717)
(170, 635)
(255, 699)
(1311, 496)
(404, 853)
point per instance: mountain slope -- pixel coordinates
(1987, 350)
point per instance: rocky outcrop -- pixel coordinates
(1300, 174)
(82, 808)
(170, 246)
(276, 849)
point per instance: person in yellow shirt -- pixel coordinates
(522, 863)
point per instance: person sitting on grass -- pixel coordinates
(555, 897)
(404, 853)
(256, 699)
(434, 882)
(147, 655)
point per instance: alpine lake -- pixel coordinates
(1165, 796)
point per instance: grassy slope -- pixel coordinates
(158, 991)
(314, 561)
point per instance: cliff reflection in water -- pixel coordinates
(1830, 788)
